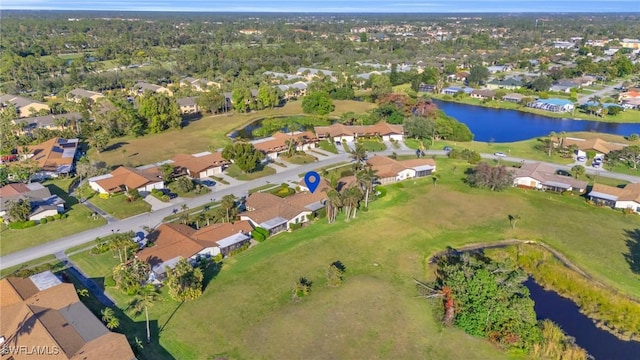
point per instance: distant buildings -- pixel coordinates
(54, 157)
(25, 107)
(77, 95)
(43, 204)
(553, 105)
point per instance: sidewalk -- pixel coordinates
(86, 281)
(104, 214)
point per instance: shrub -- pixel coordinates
(57, 216)
(22, 224)
(295, 226)
(64, 216)
(103, 196)
(109, 281)
(381, 192)
(633, 137)
(257, 236)
(263, 231)
(345, 173)
(321, 214)
(43, 221)
(165, 198)
(51, 218)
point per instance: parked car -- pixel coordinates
(338, 143)
(595, 164)
(581, 158)
(500, 154)
(447, 148)
(597, 161)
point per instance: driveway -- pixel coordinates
(600, 93)
(155, 203)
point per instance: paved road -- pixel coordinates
(154, 218)
(600, 93)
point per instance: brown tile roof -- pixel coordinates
(209, 235)
(129, 178)
(411, 163)
(381, 128)
(196, 164)
(596, 144)
(546, 173)
(51, 154)
(630, 192)
(170, 241)
(279, 141)
(13, 189)
(264, 206)
(55, 318)
(385, 167)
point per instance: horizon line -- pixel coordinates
(262, 11)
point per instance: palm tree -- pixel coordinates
(109, 318)
(144, 298)
(201, 219)
(351, 198)
(435, 178)
(334, 202)
(365, 179)
(578, 171)
(359, 154)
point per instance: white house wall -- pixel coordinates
(158, 185)
(628, 205)
(43, 214)
(526, 181)
(95, 187)
(302, 218)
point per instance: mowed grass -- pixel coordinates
(209, 132)
(79, 219)
(118, 206)
(235, 172)
(376, 313)
(300, 159)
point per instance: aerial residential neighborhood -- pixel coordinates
(387, 185)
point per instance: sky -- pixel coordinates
(348, 6)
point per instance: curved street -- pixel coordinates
(290, 174)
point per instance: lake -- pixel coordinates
(564, 312)
(503, 125)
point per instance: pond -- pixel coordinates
(504, 125)
(564, 312)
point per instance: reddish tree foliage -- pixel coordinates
(425, 108)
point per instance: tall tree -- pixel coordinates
(268, 96)
(184, 281)
(495, 178)
(318, 103)
(143, 299)
(244, 155)
(380, 86)
(109, 318)
(359, 154)
(18, 210)
(211, 101)
(160, 111)
(478, 75)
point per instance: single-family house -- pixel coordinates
(188, 105)
(77, 95)
(601, 147)
(126, 179)
(564, 86)
(278, 143)
(586, 80)
(311, 73)
(627, 197)
(200, 165)
(54, 157)
(42, 317)
(483, 94)
(508, 84)
(141, 87)
(199, 85)
(277, 76)
(630, 94)
(340, 132)
(459, 76)
(25, 107)
(276, 214)
(513, 97)
(293, 91)
(428, 88)
(553, 105)
(389, 170)
(630, 43)
(452, 90)
(173, 241)
(51, 121)
(632, 103)
(564, 45)
(43, 204)
(544, 177)
(498, 68)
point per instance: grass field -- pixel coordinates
(327, 145)
(373, 146)
(376, 313)
(210, 132)
(235, 172)
(49, 259)
(118, 206)
(79, 219)
(300, 159)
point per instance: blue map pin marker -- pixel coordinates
(312, 180)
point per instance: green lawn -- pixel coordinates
(189, 194)
(235, 172)
(327, 145)
(263, 187)
(372, 145)
(210, 132)
(49, 259)
(118, 206)
(79, 220)
(300, 159)
(376, 314)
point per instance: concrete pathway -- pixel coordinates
(155, 203)
(85, 280)
(600, 93)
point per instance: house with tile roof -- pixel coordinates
(43, 203)
(508, 83)
(601, 147)
(541, 176)
(141, 87)
(26, 107)
(200, 85)
(483, 94)
(340, 132)
(188, 105)
(51, 121)
(43, 313)
(276, 214)
(54, 157)
(77, 95)
(277, 144)
(200, 165)
(173, 242)
(126, 179)
(389, 170)
(627, 197)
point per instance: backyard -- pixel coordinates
(79, 219)
(376, 314)
(207, 133)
